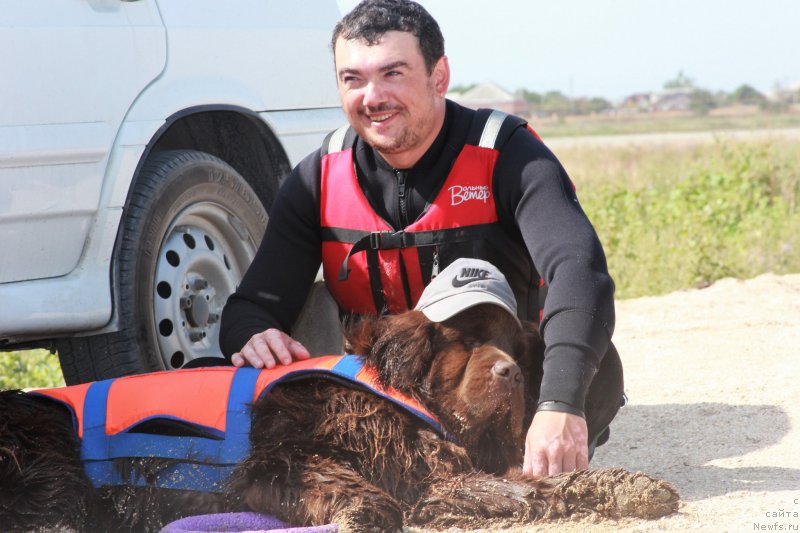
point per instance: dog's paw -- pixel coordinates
(468, 502)
(638, 495)
(362, 519)
(614, 493)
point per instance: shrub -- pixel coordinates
(733, 213)
(31, 368)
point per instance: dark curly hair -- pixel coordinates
(371, 19)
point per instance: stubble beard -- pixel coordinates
(408, 138)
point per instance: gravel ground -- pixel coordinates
(713, 379)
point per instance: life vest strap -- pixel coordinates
(178, 476)
(491, 129)
(339, 140)
(94, 444)
(351, 367)
(373, 241)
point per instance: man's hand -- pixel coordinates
(268, 348)
(556, 442)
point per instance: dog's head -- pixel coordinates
(474, 371)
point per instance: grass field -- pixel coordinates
(676, 217)
(669, 217)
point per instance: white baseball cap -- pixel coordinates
(463, 284)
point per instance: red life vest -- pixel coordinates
(212, 408)
(370, 268)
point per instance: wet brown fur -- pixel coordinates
(324, 452)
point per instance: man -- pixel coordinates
(417, 182)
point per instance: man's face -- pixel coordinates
(389, 97)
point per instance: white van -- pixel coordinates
(141, 145)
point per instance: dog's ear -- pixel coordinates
(399, 347)
(529, 347)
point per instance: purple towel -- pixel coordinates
(233, 522)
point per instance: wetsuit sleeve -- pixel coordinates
(536, 198)
(277, 283)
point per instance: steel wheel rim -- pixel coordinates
(203, 255)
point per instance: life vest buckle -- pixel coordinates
(384, 240)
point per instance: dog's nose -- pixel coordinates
(507, 370)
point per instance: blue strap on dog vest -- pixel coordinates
(351, 365)
(203, 463)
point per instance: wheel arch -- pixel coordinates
(236, 135)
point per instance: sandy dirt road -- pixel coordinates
(671, 138)
(713, 377)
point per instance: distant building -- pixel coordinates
(491, 95)
(666, 100)
(636, 102)
(789, 93)
(672, 100)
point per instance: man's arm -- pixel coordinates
(258, 316)
(536, 198)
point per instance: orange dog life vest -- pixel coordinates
(212, 405)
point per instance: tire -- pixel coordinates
(190, 229)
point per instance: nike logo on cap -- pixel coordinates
(468, 275)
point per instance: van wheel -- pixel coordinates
(190, 228)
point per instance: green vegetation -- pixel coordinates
(557, 103)
(747, 95)
(681, 217)
(29, 369)
(681, 81)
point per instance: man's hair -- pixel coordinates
(371, 19)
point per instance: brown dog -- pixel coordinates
(322, 451)
(353, 459)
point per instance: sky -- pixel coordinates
(614, 48)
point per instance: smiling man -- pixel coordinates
(413, 183)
